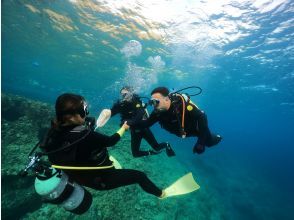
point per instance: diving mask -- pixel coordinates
(126, 96)
(154, 102)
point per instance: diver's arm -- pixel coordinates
(144, 123)
(115, 109)
(107, 141)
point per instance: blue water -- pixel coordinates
(239, 52)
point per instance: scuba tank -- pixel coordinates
(57, 188)
(54, 185)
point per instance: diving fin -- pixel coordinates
(115, 162)
(103, 118)
(169, 151)
(214, 140)
(186, 184)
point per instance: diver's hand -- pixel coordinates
(125, 126)
(129, 122)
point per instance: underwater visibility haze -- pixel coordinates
(239, 52)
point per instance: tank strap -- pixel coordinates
(81, 168)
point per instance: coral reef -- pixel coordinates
(24, 120)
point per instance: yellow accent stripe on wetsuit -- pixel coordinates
(81, 168)
(121, 131)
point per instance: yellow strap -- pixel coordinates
(81, 168)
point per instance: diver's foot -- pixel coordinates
(163, 195)
(169, 151)
(215, 139)
(199, 149)
(162, 146)
(153, 152)
(219, 138)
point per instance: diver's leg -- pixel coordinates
(198, 148)
(205, 138)
(203, 134)
(114, 178)
(210, 139)
(136, 138)
(213, 140)
(149, 137)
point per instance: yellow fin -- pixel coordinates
(185, 184)
(115, 162)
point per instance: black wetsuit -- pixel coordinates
(91, 150)
(135, 111)
(195, 122)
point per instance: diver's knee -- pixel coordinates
(199, 149)
(139, 176)
(142, 175)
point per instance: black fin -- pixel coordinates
(214, 140)
(169, 151)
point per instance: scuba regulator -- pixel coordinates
(36, 165)
(189, 87)
(54, 186)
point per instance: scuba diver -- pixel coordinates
(130, 107)
(177, 114)
(78, 157)
(73, 144)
